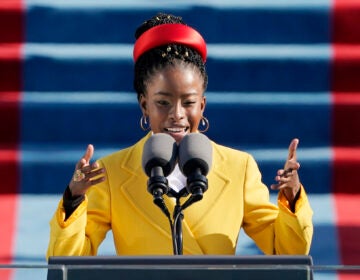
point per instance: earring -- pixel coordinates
(205, 123)
(144, 124)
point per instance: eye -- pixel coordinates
(162, 102)
(189, 102)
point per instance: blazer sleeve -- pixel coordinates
(82, 233)
(275, 229)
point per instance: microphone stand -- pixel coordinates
(178, 217)
(176, 225)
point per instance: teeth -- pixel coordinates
(173, 129)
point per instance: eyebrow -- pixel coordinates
(170, 94)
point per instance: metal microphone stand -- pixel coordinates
(178, 216)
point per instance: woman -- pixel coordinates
(170, 81)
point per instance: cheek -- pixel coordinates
(157, 113)
(157, 117)
(195, 117)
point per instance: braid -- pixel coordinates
(160, 57)
(160, 18)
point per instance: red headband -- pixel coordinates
(171, 33)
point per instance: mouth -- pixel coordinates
(176, 129)
(177, 132)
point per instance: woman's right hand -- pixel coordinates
(85, 172)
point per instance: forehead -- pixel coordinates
(179, 77)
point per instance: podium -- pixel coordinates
(181, 267)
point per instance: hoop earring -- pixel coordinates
(144, 124)
(205, 123)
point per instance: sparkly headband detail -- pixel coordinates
(171, 33)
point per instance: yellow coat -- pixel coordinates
(236, 198)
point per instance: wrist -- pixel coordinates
(292, 197)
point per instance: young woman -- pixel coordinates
(111, 194)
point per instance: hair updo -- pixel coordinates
(160, 57)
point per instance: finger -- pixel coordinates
(85, 160)
(282, 183)
(99, 180)
(80, 185)
(275, 186)
(95, 182)
(291, 166)
(283, 178)
(89, 168)
(278, 187)
(89, 153)
(292, 149)
(95, 173)
(289, 172)
(81, 176)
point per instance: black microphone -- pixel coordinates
(158, 161)
(195, 159)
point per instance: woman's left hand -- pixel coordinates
(287, 179)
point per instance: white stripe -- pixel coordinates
(270, 98)
(79, 51)
(216, 51)
(58, 155)
(322, 154)
(79, 98)
(270, 51)
(260, 98)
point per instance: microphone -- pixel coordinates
(195, 159)
(158, 161)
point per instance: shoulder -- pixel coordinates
(227, 159)
(233, 163)
(229, 152)
(128, 154)
(116, 155)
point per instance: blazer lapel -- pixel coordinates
(199, 213)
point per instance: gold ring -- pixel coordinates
(78, 175)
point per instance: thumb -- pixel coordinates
(85, 160)
(292, 149)
(89, 153)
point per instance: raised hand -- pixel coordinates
(85, 173)
(288, 178)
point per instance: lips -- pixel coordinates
(176, 129)
(177, 132)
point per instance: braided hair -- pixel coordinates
(160, 57)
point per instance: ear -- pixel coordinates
(143, 104)
(203, 104)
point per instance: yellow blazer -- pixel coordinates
(236, 198)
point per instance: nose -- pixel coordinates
(177, 111)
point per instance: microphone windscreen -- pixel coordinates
(160, 150)
(195, 151)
